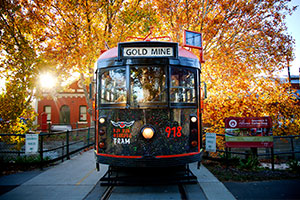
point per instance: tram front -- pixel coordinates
(147, 105)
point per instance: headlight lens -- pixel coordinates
(102, 120)
(148, 132)
(193, 119)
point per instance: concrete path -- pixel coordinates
(77, 179)
(211, 186)
(72, 179)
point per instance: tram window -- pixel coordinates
(182, 86)
(148, 85)
(113, 83)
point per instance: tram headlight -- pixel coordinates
(148, 132)
(102, 120)
(193, 119)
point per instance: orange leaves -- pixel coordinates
(244, 43)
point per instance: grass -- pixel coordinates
(19, 164)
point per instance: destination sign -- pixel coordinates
(148, 51)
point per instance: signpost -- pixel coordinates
(249, 141)
(248, 126)
(245, 134)
(31, 143)
(248, 122)
(210, 141)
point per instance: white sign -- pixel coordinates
(148, 51)
(232, 123)
(31, 143)
(210, 142)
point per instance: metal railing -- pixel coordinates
(279, 149)
(53, 146)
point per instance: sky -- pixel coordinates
(293, 24)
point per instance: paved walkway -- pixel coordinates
(75, 179)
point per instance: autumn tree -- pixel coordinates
(18, 67)
(76, 32)
(245, 43)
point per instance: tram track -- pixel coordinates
(182, 191)
(109, 192)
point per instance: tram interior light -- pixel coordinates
(148, 132)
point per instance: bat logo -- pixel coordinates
(122, 124)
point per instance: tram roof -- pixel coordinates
(183, 54)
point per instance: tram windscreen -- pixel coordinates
(113, 83)
(182, 85)
(148, 85)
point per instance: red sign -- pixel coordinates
(248, 122)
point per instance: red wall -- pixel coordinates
(72, 102)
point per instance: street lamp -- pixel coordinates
(47, 80)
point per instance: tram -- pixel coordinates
(148, 106)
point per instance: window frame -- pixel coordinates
(184, 104)
(83, 106)
(128, 104)
(48, 106)
(112, 105)
(148, 104)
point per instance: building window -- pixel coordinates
(47, 110)
(82, 113)
(64, 115)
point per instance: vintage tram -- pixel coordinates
(148, 105)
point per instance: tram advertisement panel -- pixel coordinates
(124, 137)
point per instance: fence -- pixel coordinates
(52, 146)
(285, 147)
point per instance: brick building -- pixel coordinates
(295, 83)
(68, 107)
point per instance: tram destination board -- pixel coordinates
(153, 49)
(148, 51)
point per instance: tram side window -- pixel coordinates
(113, 86)
(182, 86)
(148, 85)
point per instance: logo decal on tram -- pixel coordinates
(122, 124)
